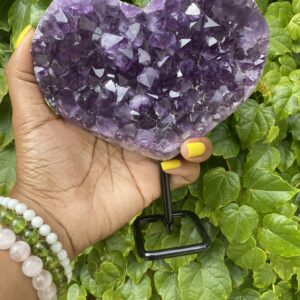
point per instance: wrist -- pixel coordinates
(49, 218)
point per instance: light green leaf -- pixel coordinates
(265, 191)
(237, 274)
(294, 27)
(224, 142)
(208, 280)
(296, 6)
(76, 292)
(141, 291)
(269, 80)
(283, 11)
(7, 169)
(107, 275)
(284, 267)
(90, 283)
(264, 276)
(295, 75)
(263, 157)
(3, 85)
(167, 286)
(247, 255)
(272, 135)
(269, 295)
(220, 187)
(280, 235)
(112, 294)
(6, 130)
(287, 156)
(135, 269)
(288, 64)
(296, 180)
(253, 122)
(285, 98)
(238, 222)
(246, 294)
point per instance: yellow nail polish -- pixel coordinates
(22, 35)
(195, 149)
(170, 164)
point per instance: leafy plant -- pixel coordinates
(252, 217)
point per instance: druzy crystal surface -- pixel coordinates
(147, 79)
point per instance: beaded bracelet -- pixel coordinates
(32, 266)
(16, 215)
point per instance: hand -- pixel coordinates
(84, 187)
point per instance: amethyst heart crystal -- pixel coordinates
(147, 79)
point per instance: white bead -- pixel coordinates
(32, 266)
(48, 293)
(56, 247)
(62, 254)
(19, 251)
(68, 269)
(4, 202)
(20, 208)
(7, 239)
(42, 281)
(37, 222)
(51, 238)
(44, 230)
(65, 262)
(12, 203)
(28, 214)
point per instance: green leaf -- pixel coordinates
(296, 6)
(263, 157)
(283, 11)
(6, 130)
(4, 8)
(208, 280)
(288, 64)
(284, 267)
(179, 194)
(224, 142)
(269, 295)
(285, 98)
(141, 291)
(295, 75)
(112, 294)
(7, 169)
(287, 156)
(167, 286)
(294, 27)
(263, 5)
(280, 235)
(264, 276)
(237, 274)
(220, 187)
(247, 255)
(107, 275)
(3, 85)
(272, 135)
(135, 269)
(296, 147)
(246, 294)
(294, 126)
(238, 222)
(76, 292)
(253, 122)
(90, 283)
(265, 191)
(154, 236)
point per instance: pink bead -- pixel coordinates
(19, 251)
(48, 294)
(42, 281)
(32, 266)
(7, 239)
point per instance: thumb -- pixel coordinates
(27, 100)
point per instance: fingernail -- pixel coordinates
(170, 164)
(22, 35)
(195, 149)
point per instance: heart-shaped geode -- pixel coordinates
(147, 79)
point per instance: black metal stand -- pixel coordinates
(168, 219)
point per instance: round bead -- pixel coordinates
(51, 262)
(31, 235)
(51, 238)
(28, 214)
(37, 222)
(65, 262)
(6, 217)
(5, 201)
(68, 269)
(18, 225)
(49, 293)
(20, 208)
(62, 254)
(58, 275)
(44, 230)
(32, 266)
(19, 251)
(7, 239)
(11, 204)
(42, 281)
(40, 248)
(56, 247)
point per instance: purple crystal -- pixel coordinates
(147, 79)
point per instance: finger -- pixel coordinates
(196, 149)
(182, 172)
(27, 100)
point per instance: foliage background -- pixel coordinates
(247, 194)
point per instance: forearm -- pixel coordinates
(14, 285)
